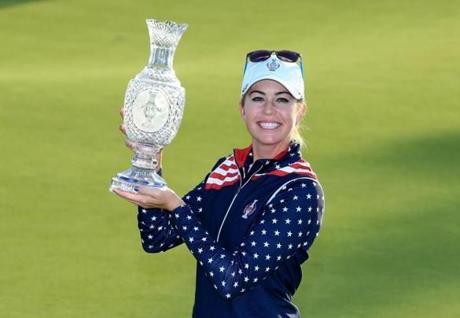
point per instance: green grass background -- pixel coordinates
(383, 134)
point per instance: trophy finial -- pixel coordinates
(165, 33)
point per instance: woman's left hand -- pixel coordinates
(161, 198)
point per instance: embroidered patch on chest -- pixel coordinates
(249, 209)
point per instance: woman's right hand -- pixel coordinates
(130, 145)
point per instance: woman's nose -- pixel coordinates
(268, 108)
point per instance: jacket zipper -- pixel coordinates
(233, 200)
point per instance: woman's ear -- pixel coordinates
(242, 112)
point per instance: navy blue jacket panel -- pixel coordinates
(249, 225)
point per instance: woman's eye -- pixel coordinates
(257, 99)
(282, 100)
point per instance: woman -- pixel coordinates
(250, 222)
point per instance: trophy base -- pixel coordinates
(130, 180)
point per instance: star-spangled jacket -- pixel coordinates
(249, 226)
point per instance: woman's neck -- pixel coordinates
(267, 151)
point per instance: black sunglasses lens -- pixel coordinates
(288, 56)
(259, 55)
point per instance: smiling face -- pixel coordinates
(270, 113)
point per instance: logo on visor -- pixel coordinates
(273, 65)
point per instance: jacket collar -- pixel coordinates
(244, 158)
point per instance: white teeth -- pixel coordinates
(269, 125)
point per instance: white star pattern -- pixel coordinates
(286, 225)
(262, 265)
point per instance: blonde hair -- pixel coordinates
(296, 135)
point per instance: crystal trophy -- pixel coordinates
(153, 108)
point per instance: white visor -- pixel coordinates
(287, 74)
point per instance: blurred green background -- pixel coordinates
(383, 135)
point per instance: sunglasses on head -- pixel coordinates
(283, 55)
(263, 55)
